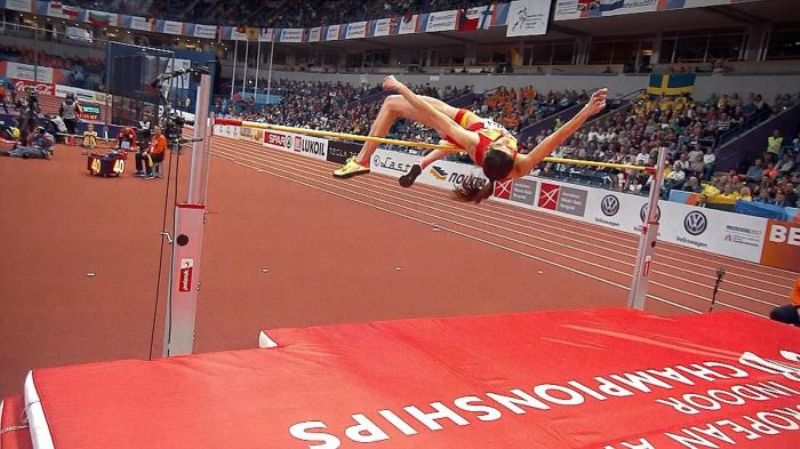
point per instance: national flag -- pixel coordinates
(477, 18)
(99, 19)
(252, 33)
(70, 12)
(676, 84)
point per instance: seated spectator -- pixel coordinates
(755, 172)
(790, 196)
(764, 197)
(709, 161)
(692, 185)
(786, 165)
(745, 194)
(90, 137)
(39, 145)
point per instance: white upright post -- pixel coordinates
(187, 241)
(233, 77)
(244, 77)
(258, 67)
(647, 240)
(269, 73)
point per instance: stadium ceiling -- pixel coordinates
(715, 17)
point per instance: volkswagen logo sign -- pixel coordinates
(695, 223)
(289, 142)
(644, 209)
(609, 205)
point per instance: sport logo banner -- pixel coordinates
(340, 152)
(695, 223)
(528, 17)
(502, 189)
(609, 205)
(523, 191)
(563, 199)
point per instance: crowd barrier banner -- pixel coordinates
(782, 245)
(577, 9)
(41, 88)
(314, 147)
(340, 152)
(754, 239)
(81, 94)
(29, 72)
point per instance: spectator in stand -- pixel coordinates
(790, 196)
(675, 179)
(709, 162)
(643, 158)
(775, 143)
(745, 194)
(780, 200)
(755, 172)
(764, 196)
(786, 166)
(692, 185)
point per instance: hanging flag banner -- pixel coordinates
(100, 19)
(408, 24)
(528, 18)
(675, 84)
(238, 34)
(204, 31)
(314, 34)
(78, 34)
(137, 23)
(58, 10)
(333, 33)
(478, 18)
(356, 30)
(441, 21)
(266, 34)
(19, 5)
(170, 27)
(382, 27)
(292, 35)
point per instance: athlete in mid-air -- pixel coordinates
(489, 144)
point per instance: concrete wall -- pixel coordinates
(767, 85)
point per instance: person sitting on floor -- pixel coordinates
(90, 138)
(39, 146)
(789, 314)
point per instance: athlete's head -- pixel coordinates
(497, 165)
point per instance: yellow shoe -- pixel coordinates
(350, 169)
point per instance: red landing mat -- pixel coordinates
(602, 379)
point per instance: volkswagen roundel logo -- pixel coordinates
(645, 208)
(609, 205)
(695, 223)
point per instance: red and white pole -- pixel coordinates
(647, 239)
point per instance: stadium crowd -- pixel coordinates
(278, 13)
(689, 130)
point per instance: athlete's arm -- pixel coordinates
(526, 162)
(443, 124)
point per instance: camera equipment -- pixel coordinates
(172, 121)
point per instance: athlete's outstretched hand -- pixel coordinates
(392, 84)
(598, 101)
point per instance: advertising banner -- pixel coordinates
(356, 30)
(442, 21)
(528, 17)
(29, 72)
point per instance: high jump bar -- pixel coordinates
(408, 143)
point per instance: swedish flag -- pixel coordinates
(677, 84)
